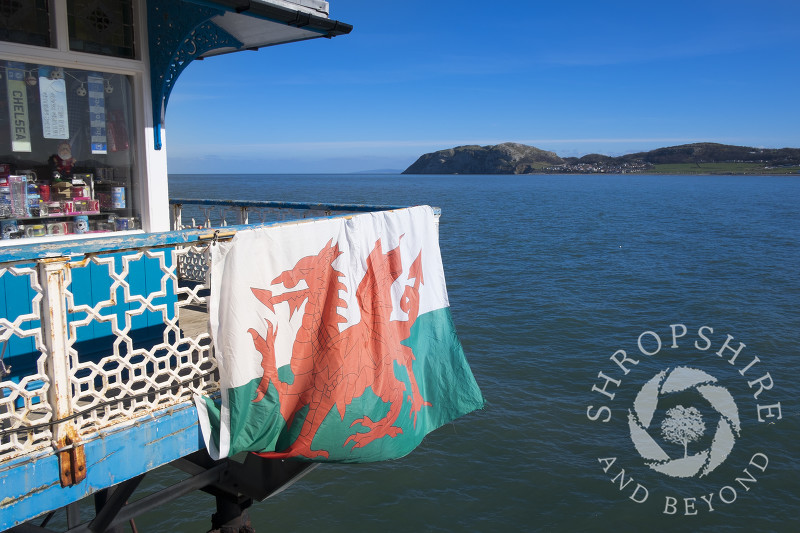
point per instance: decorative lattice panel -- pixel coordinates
(143, 361)
(137, 342)
(24, 408)
(192, 271)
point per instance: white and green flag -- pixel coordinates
(334, 340)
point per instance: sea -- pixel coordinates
(588, 306)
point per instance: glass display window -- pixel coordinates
(67, 152)
(101, 27)
(25, 22)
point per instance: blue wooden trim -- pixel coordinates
(111, 243)
(30, 486)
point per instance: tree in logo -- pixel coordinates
(683, 425)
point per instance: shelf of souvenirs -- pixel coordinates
(76, 205)
(41, 209)
(76, 223)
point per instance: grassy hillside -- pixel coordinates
(721, 168)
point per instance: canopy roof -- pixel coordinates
(257, 23)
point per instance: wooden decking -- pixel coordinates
(193, 320)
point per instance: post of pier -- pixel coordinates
(231, 515)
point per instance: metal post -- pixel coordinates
(243, 215)
(231, 515)
(100, 501)
(207, 212)
(177, 212)
(72, 461)
(109, 502)
(73, 514)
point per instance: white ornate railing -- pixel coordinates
(108, 344)
(23, 402)
(132, 380)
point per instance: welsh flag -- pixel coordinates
(334, 340)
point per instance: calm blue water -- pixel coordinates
(548, 276)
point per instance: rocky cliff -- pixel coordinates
(506, 158)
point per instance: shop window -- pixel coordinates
(25, 22)
(101, 27)
(67, 151)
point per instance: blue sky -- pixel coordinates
(571, 76)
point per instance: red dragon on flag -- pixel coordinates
(331, 345)
(331, 367)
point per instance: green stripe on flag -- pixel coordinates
(444, 379)
(442, 368)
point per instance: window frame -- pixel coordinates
(153, 194)
(136, 34)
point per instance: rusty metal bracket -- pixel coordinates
(71, 459)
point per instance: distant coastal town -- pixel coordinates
(632, 167)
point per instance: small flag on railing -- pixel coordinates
(334, 340)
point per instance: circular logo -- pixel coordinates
(682, 424)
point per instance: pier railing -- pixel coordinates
(222, 214)
(100, 333)
(92, 338)
(199, 213)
